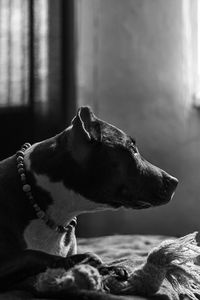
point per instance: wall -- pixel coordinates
(135, 69)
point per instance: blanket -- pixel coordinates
(132, 249)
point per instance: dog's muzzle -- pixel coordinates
(169, 185)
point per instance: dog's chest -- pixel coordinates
(39, 237)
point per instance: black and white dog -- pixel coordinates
(90, 166)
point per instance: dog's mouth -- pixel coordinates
(143, 205)
(132, 204)
(153, 201)
(138, 205)
(148, 201)
(148, 195)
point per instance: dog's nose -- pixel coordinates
(170, 184)
(174, 181)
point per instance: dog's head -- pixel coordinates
(103, 164)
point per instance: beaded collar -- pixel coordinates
(26, 187)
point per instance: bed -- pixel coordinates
(113, 248)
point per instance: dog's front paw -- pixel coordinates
(79, 277)
(86, 277)
(119, 272)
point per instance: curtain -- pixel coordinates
(37, 69)
(14, 44)
(17, 31)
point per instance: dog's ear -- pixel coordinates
(80, 124)
(84, 130)
(88, 125)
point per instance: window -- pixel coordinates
(37, 70)
(23, 24)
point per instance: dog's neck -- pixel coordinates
(65, 205)
(12, 198)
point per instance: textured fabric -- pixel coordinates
(132, 248)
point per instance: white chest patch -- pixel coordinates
(39, 237)
(66, 204)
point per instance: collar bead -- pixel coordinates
(26, 187)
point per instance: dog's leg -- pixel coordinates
(28, 263)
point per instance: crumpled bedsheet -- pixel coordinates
(111, 248)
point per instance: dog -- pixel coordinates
(90, 166)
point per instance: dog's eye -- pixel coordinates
(134, 149)
(133, 142)
(133, 146)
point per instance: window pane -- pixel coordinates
(13, 52)
(41, 49)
